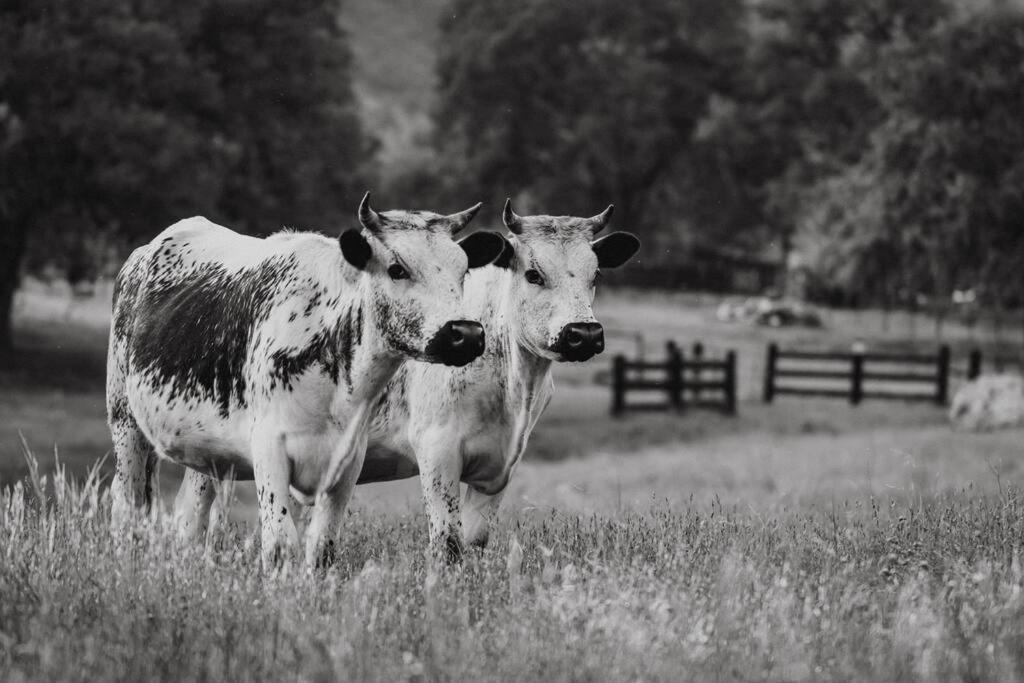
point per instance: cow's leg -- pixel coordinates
(479, 510)
(131, 490)
(324, 530)
(192, 505)
(272, 473)
(439, 477)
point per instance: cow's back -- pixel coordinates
(191, 305)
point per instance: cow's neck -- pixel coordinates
(525, 371)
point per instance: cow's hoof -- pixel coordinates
(453, 550)
(322, 557)
(276, 556)
(478, 540)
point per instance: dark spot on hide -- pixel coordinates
(117, 410)
(331, 349)
(193, 334)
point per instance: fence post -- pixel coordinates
(769, 372)
(681, 377)
(730, 383)
(942, 376)
(856, 377)
(974, 365)
(674, 371)
(698, 355)
(618, 385)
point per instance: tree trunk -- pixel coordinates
(12, 249)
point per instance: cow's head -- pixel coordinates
(414, 271)
(555, 263)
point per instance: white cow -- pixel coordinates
(472, 424)
(264, 357)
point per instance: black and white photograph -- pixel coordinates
(490, 340)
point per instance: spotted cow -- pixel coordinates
(263, 358)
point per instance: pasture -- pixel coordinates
(802, 540)
(926, 588)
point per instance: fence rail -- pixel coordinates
(685, 381)
(856, 369)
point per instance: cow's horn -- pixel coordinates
(600, 221)
(513, 222)
(457, 221)
(367, 216)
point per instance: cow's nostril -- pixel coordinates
(579, 341)
(457, 343)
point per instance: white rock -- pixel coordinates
(989, 402)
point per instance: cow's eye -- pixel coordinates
(397, 272)
(534, 277)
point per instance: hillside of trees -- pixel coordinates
(876, 143)
(117, 118)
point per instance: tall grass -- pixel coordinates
(930, 590)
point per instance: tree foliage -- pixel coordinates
(289, 118)
(571, 105)
(118, 117)
(941, 172)
(879, 138)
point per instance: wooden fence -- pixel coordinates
(857, 376)
(685, 382)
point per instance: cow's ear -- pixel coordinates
(507, 255)
(355, 248)
(482, 247)
(615, 249)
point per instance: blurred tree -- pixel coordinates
(102, 112)
(942, 172)
(800, 110)
(118, 117)
(571, 105)
(298, 153)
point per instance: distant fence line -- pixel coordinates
(694, 380)
(858, 372)
(685, 382)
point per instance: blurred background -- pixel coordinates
(815, 173)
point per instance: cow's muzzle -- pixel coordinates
(458, 343)
(579, 341)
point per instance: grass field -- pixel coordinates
(928, 589)
(805, 540)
